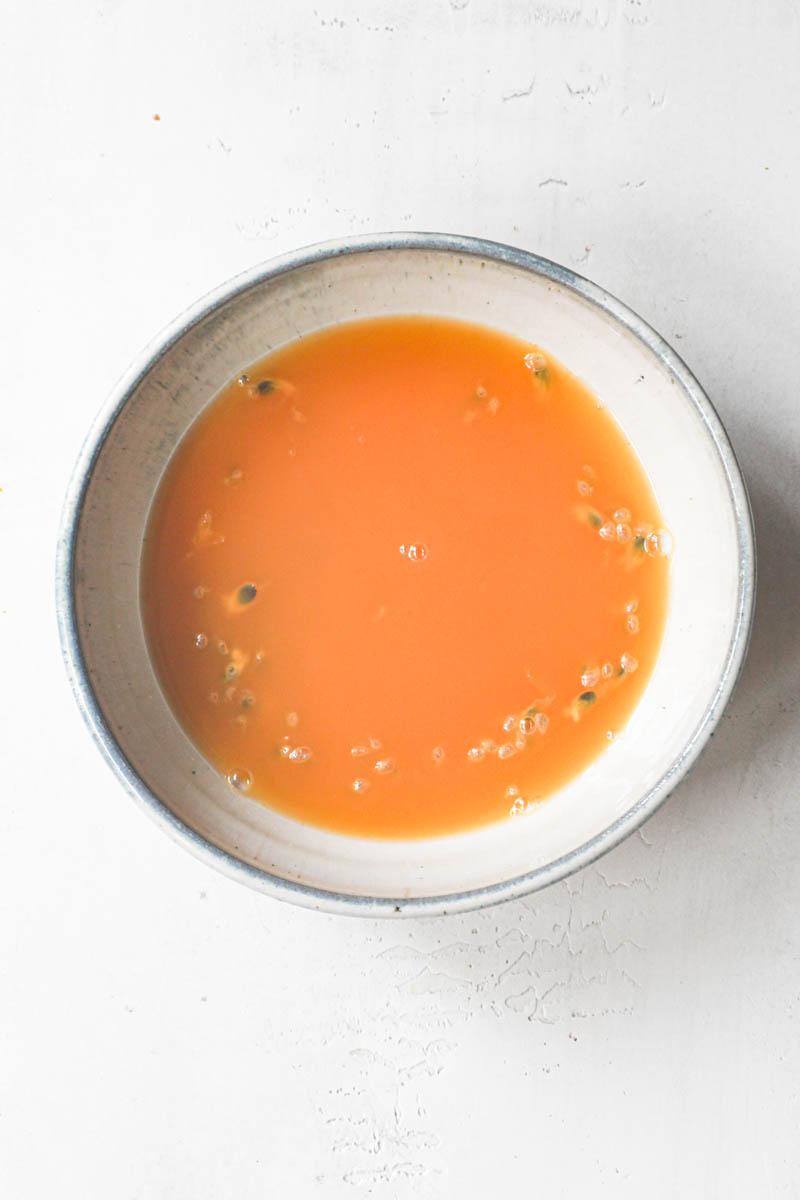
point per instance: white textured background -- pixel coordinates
(165, 1033)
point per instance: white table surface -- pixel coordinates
(164, 1032)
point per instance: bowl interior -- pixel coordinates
(650, 398)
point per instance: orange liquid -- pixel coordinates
(410, 584)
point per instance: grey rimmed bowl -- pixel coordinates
(653, 396)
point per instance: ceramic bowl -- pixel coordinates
(655, 399)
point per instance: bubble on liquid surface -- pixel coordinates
(201, 641)
(659, 542)
(476, 753)
(628, 663)
(360, 785)
(414, 551)
(507, 750)
(241, 781)
(438, 754)
(535, 361)
(300, 754)
(385, 766)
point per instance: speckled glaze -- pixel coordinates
(671, 424)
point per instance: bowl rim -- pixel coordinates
(338, 902)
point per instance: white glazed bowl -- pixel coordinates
(652, 395)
